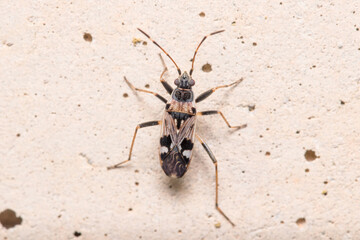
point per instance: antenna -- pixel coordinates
(178, 69)
(193, 60)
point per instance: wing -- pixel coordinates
(176, 146)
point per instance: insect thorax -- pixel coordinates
(180, 111)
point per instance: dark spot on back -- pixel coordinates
(178, 123)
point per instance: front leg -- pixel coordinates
(168, 88)
(142, 90)
(204, 95)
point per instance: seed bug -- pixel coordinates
(178, 122)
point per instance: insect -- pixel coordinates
(178, 122)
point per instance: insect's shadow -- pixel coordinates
(175, 184)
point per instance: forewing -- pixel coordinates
(176, 146)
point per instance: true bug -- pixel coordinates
(178, 123)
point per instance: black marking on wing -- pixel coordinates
(176, 139)
(186, 144)
(165, 141)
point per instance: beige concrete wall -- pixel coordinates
(65, 117)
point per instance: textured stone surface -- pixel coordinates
(66, 114)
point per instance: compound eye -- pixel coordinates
(186, 96)
(177, 82)
(177, 94)
(191, 82)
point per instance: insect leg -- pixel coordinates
(142, 90)
(141, 125)
(168, 88)
(211, 155)
(222, 115)
(210, 91)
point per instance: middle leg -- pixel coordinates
(141, 125)
(222, 115)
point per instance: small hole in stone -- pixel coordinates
(87, 37)
(130, 209)
(325, 182)
(179, 231)
(342, 102)
(282, 222)
(77, 234)
(125, 95)
(137, 183)
(18, 135)
(8, 219)
(267, 154)
(251, 108)
(307, 170)
(147, 85)
(254, 44)
(206, 68)
(136, 171)
(202, 14)
(324, 192)
(144, 43)
(310, 155)
(297, 132)
(301, 222)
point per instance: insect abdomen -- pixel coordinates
(174, 165)
(175, 160)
